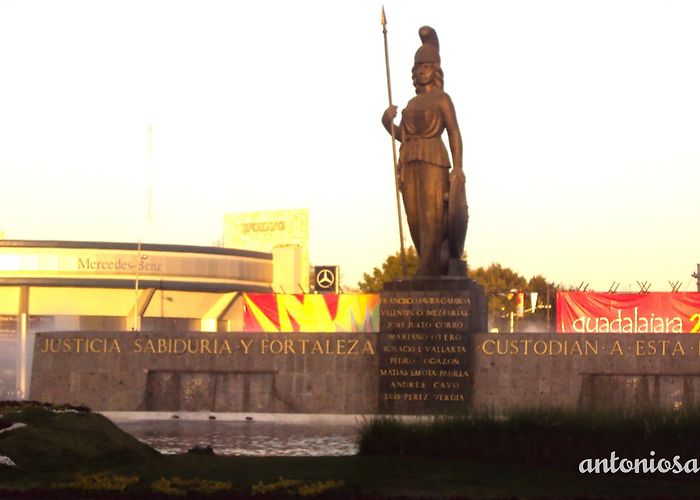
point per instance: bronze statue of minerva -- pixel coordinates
(434, 198)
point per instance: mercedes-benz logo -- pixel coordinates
(325, 278)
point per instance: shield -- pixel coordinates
(457, 217)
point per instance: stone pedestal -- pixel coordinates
(425, 348)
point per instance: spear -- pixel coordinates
(393, 145)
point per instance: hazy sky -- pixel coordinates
(580, 122)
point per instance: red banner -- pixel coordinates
(653, 312)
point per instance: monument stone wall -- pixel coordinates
(342, 372)
(589, 370)
(192, 371)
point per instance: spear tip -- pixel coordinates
(383, 17)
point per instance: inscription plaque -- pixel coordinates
(425, 352)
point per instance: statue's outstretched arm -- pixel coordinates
(388, 122)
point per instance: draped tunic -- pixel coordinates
(421, 126)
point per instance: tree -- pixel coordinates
(391, 270)
(497, 278)
(499, 282)
(546, 296)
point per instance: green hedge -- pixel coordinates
(544, 437)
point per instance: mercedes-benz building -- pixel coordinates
(70, 285)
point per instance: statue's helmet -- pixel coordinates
(429, 52)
